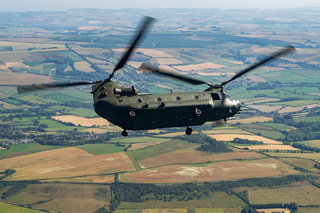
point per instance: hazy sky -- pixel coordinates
(36, 5)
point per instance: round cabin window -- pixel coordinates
(196, 97)
(178, 98)
(159, 99)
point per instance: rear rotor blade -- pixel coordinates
(146, 24)
(33, 88)
(161, 71)
(285, 50)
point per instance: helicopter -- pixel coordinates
(125, 107)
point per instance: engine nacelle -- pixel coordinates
(126, 91)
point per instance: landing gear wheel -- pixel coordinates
(188, 131)
(124, 133)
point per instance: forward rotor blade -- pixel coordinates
(33, 88)
(146, 24)
(285, 50)
(161, 71)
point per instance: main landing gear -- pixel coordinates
(124, 133)
(188, 131)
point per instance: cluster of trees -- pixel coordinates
(246, 141)
(208, 144)
(139, 192)
(305, 147)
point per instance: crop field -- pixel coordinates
(11, 78)
(290, 109)
(308, 119)
(227, 170)
(303, 194)
(251, 120)
(215, 200)
(162, 148)
(83, 66)
(99, 149)
(64, 197)
(230, 137)
(153, 211)
(313, 156)
(226, 130)
(7, 208)
(85, 179)
(63, 163)
(265, 108)
(202, 66)
(270, 147)
(23, 149)
(179, 157)
(135, 140)
(137, 146)
(82, 121)
(279, 127)
(166, 61)
(312, 143)
(300, 162)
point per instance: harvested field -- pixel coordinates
(135, 64)
(259, 100)
(85, 179)
(155, 53)
(230, 137)
(202, 66)
(302, 194)
(82, 121)
(168, 61)
(145, 145)
(83, 66)
(270, 147)
(251, 120)
(149, 52)
(227, 131)
(179, 157)
(265, 108)
(63, 163)
(219, 171)
(10, 78)
(290, 109)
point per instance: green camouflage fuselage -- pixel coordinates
(132, 111)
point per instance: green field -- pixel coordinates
(277, 126)
(308, 119)
(99, 149)
(23, 149)
(7, 208)
(156, 150)
(312, 143)
(138, 140)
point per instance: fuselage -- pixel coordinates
(130, 110)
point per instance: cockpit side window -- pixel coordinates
(215, 96)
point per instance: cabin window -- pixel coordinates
(215, 96)
(178, 98)
(159, 99)
(140, 100)
(196, 97)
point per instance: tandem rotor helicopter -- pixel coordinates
(125, 107)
